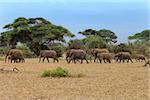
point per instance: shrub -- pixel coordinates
(59, 48)
(26, 51)
(58, 72)
(3, 50)
(46, 73)
(147, 53)
(76, 44)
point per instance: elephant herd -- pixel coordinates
(77, 55)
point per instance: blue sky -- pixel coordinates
(124, 17)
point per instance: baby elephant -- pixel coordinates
(140, 58)
(16, 59)
(123, 56)
(147, 63)
(14, 54)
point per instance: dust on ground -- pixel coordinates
(115, 81)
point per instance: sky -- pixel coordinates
(123, 17)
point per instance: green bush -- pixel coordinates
(3, 50)
(59, 48)
(147, 53)
(76, 44)
(46, 73)
(58, 72)
(94, 42)
(26, 51)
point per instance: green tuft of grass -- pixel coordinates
(58, 72)
(46, 73)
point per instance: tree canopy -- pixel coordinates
(107, 35)
(37, 33)
(142, 36)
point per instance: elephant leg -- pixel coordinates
(74, 60)
(19, 60)
(69, 61)
(57, 60)
(99, 60)
(47, 59)
(81, 61)
(131, 60)
(109, 61)
(127, 60)
(123, 60)
(95, 59)
(86, 60)
(43, 59)
(118, 60)
(104, 60)
(11, 60)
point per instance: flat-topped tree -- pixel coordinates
(142, 36)
(107, 35)
(37, 33)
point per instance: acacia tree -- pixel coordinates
(107, 35)
(142, 36)
(76, 44)
(37, 33)
(140, 43)
(94, 42)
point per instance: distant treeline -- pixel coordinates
(35, 34)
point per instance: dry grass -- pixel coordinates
(100, 82)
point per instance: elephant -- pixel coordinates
(122, 56)
(94, 52)
(68, 54)
(14, 54)
(140, 58)
(16, 59)
(147, 63)
(77, 54)
(106, 57)
(48, 54)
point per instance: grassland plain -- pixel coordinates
(115, 81)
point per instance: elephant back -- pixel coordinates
(48, 53)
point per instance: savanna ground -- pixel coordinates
(116, 81)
